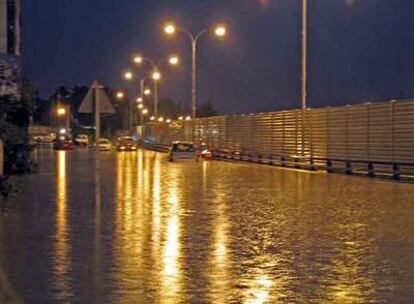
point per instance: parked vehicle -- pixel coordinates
(43, 138)
(104, 144)
(63, 143)
(126, 143)
(182, 150)
(82, 140)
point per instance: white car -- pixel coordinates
(104, 144)
(82, 140)
(182, 150)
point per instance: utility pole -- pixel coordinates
(304, 69)
(97, 114)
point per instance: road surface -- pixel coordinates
(134, 228)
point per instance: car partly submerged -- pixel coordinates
(182, 150)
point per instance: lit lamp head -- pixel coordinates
(120, 95)
(168, 120)
(152, 118)
(128, 75)
(220, 31)
(170, 29)
(147, 92)
(62, 131)
(61, 111)
(161, 119)
(140, 99)
(138, 59)
(140, 106)
(144, 111)
(174, 60)
(188, 117)
(156, 75)
(181, 118)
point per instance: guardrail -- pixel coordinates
(372, 168)
(154, 146)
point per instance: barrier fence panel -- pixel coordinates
(371, 132)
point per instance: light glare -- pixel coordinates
(220, 31)
(156, 76)
(169, 29)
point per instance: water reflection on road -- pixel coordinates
(134, 228)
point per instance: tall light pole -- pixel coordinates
(304, 68)
(219, 31)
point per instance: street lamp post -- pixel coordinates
(304, 68)
(64, 111)
(220, 31)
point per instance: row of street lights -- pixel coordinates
(155, 75)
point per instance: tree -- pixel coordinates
(206, 109)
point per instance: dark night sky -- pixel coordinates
(359, 50)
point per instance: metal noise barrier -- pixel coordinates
(370, 138)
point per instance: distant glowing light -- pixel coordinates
(61, 111)
(168, 120)
(174, 60)
(140, 106)
(138, 59)
(156, 76)
(264, 2)
(120, 95)
(140, 99)
(147, 92)
(170, 29)
(144, 111)
(152, 118)
(128, 75)
(161, 119)
(188, 118)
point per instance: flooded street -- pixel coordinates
(134, 228)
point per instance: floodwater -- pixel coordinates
(134, 228)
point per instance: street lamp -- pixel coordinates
(156, 75)
(128, 75)
(147, 92)
(161, 119)
(61, 111)
(140, 99)
(120, 95)
(152, 118)
(64, 111)
(219, 31)
(144, 111)
(140, 106)
(174, 60)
